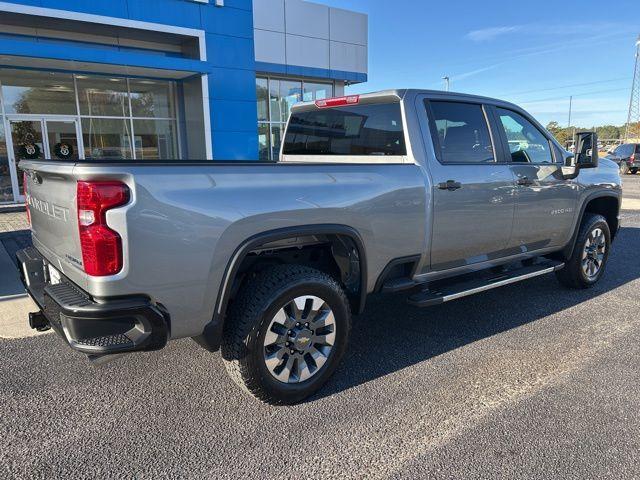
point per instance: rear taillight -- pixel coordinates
(26, 195)
(101, 246)
(338, 101)
(632, 158)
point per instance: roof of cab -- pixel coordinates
(405, 93)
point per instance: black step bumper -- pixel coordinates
(91, 326)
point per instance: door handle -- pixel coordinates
(525, 182)
(450, 185)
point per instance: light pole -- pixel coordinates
(447, 83)
(570, 109)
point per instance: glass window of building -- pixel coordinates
(118, 117)
(262, 92)
(275, 107)
(102, 96)
(66, 116)
(154, 139)
(6, 191)
(152, 99)
(277, 130)
(39, 93)
(276, 97)
(264, 145)
(106, 138)
(290, 94)
(317, 91)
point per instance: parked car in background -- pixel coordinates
(627, 156)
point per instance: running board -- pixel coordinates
(429, 298)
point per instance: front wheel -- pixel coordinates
(589, 259)
(286, 333)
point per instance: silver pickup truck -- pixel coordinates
(433, 194)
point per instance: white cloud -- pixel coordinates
(473, 73)
(486, 34)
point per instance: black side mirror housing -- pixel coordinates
(586, 150)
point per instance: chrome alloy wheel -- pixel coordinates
(299, 339)
(593, 254)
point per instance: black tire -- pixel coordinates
(633, 171)
(624, 168)
(249, 318)
(573, 274)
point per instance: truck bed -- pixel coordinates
(185, 220)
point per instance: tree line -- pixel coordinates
(606, 132)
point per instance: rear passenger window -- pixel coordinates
(374, 129)
(527, 144)
(461, 133)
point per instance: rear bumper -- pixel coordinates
(92, 326)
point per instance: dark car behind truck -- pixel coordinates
(627, 156)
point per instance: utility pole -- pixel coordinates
(447, 83)
(570, 110)
(633, 120)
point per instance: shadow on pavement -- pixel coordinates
(14, 241)
(10, 243)
(391, 335)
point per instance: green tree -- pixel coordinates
(562, 134)
(608, 132)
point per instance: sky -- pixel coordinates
(536, 53)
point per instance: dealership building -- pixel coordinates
(164, 79)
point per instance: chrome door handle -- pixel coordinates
(450, 185)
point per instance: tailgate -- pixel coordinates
(51, 196)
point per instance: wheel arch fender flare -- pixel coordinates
(212, 336)
(568, 250)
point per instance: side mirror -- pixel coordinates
(586, 150)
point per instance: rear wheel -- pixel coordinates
(634, 171)
(286, 333)
(588, 261)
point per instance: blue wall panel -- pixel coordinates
(111, 8)
(230, 52)
(236, 145)
(234, 115)
(229, 21)
(242, 4)
(230, 84)
(169, 12)
(94, 54)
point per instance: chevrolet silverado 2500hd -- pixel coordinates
(436, 194)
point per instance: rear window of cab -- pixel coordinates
(370, 129)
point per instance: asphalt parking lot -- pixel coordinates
(528, 381)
